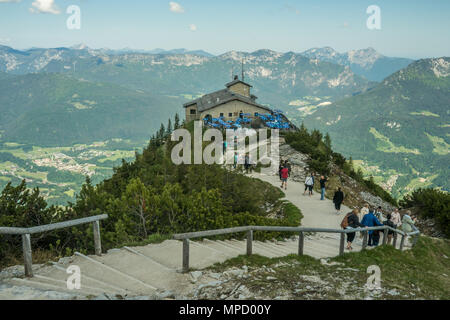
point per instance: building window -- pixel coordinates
(230, 115)
(193, 111)
(235, 114)
(221, 114)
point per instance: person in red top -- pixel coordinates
(284, 177)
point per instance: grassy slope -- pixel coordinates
(420, 273)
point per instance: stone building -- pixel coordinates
(229, 103)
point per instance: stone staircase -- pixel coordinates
(152, 270)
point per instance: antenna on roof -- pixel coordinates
(242, 69)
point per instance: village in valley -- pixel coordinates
(59, 172)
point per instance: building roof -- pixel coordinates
(220, 97)
(237, 81)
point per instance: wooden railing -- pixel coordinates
(185, 237)
(27, 232)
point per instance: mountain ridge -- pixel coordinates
(400, 125)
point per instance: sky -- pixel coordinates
(409, 28)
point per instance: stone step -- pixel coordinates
(102, 274)
(240, 249)
(281, 247)
(149, 259)
(268, 251)
(57, 275)
(227, 250)
(46, 285)
(109, 274)
(89, 281)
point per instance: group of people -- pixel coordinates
(370, 217)
(285, 172)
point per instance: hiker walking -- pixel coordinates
(351, 221)
(391, 224)
(280, 167)
(379, 213)
(408, 224)
(309, 183)
(288, 166)
(251, 164)
(322, 181)
(370, 220)
(246, 163)
(362, 213)
(396, 218)
(235, 160)
(284, 177)
(337, 200)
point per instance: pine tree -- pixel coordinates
(169, 127)
(303, 128)
(177, 121)
(327, 141)
(162, 131)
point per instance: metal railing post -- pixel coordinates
(394, 241)
(402, 242)
(27, 255)
(97, 238)
(185, 256)
(301, 243)
(385, 236)
(365, 238)
(342, 244)
(249, 242)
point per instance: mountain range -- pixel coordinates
(395, 127)
(280, 80)
(366, 62)
(401, 125)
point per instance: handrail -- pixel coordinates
(51, 227)
(27, 232)
(217, 232)
(301, 230)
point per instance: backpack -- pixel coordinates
(344, 223)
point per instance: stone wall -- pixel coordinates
(233, 107)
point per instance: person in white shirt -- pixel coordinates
(309, 182)
(396, 218)
(364, 210)
(379, 214)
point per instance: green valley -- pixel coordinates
(59, 172)
(400, 127)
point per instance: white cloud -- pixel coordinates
(9, 1)
(193, 27)
(176, 7)
(45, 6)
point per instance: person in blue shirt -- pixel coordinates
(370, 220)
